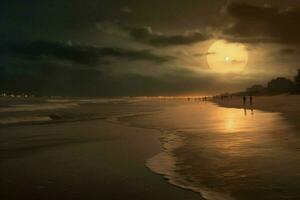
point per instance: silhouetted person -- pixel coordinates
(244, 100)
(251, 100)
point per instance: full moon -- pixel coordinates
(227, 57)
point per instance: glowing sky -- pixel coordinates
(129, 47)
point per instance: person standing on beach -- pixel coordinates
(251, 100)
(244, 100)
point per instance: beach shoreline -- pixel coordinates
(287, 105)
(82, 160)
(141, 150)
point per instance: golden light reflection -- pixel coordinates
(227, 130)
(210, 118)
(238, 120)
(230, 125)
(224, 145)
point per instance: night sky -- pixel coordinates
(130, 47)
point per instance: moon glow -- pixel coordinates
(227, 57)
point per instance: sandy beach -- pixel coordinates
(224, 154)
(147, 149)
(287, 105)
(86, 160)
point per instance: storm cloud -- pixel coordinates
(42, 78)
(258, 23)
(147, 36)
(116, 48)
(288, 51)
(80, 54)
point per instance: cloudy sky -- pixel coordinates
(130, 47)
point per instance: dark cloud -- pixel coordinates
(80, 54)
(147, 36)
(49, 79)
(288, 51)
(127, 10)
(253, 23)
(285, 55)
(204, 54)
(54, 68)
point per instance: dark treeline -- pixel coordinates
(278, 85)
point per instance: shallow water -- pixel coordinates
(226, 153)
(222, 153)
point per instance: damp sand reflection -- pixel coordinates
(228, 153)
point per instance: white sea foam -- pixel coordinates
(37, 107)
(59, 100)
(17, 120)
(94, 100)
(165, 163)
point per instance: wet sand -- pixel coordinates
(82, 160)
(224, 154)
(288, 105)
(219, 153)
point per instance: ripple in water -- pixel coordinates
(224, 154)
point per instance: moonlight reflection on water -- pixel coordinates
(224, 154)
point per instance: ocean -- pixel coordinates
(219, 153)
